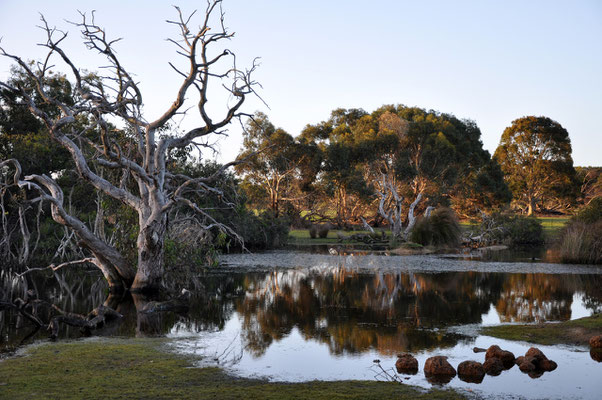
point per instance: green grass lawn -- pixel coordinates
(140, 369)
(300, 237)
(553, 225)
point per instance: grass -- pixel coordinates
(139, 369)
(553, 225)
(300, 237)
(578, 331)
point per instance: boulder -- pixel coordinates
(493, 366)
(493, 352)
(406, 364)
(535, 374)
(596, 342)
(505, 356)
(438, 366)
(526, 365)
(596, 354)
(471, 371)
(536, 354)
(547, 365)
(535, 363)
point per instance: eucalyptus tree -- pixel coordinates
(535, 155)
(273, 160)
(114, 98)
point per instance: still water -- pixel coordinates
(293, 316)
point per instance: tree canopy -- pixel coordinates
(535, 156)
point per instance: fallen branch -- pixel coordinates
(57, 267)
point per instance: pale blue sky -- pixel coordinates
(489, 61)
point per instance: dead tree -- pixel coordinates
(138, 149)
(393, 213)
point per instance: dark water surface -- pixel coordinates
(292, 316)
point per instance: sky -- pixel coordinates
(488, 61)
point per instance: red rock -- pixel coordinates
(493, 366)
(536, 374)
(493, 352)
(596, 342)
(537, 354)
(519, 360)
(406, 364)
(438, 365)
(507, 358)
(471, 371)
(547, 365)
(526, 366)
(596, 354)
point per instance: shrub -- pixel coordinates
(581, 243)
(441, 228)
(512, 230)
(263, 231)
(524, 231)
(581, 239)
(320, 231)
(323, 230)
(590, 213)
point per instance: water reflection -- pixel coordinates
(351, 312)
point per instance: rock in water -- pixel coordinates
(471, 371)
(596, 342)
(596, 354)
(505, 356)
(493, 366)
(548, 365)
(492, 352)
(439, 368)
(406, 364)
(536, 354)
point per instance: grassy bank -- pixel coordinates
(552, 226)
(578, 331)
(300, 237)
(134, 369)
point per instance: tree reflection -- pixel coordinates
(347, 310)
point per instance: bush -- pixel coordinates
(259, 232)
(440, 229)
(590, 213)
(581, 239)
(524, 231)
(320, 231)
(512, 230)
(581, 243)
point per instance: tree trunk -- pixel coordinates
(531, 207)
(150, 257)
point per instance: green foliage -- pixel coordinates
(440, 229)
(590, 213)
(525, 231)
(259, 232)
(535, 156)
(512, 230)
